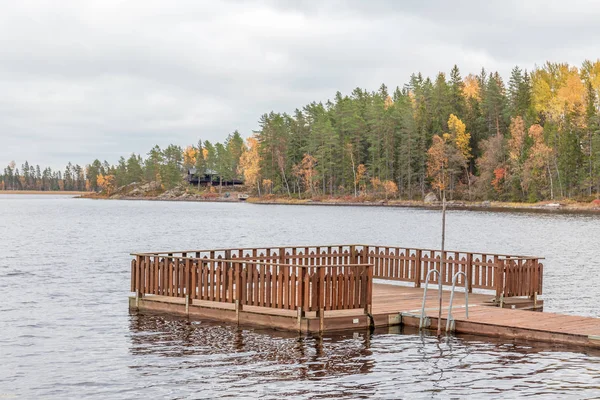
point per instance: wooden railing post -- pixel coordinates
(500, 278)
(540, 269)
(469, 271)
(226, 268)
(532, 268)
(238, 287)
(300, 293)
(187, 284)
(321, 297)
(417, 269)
(136, 279)
(144, 276)
(306, 292)
(443, 266)
(369, 290)
(161, 273)
(188, 279)
(133, 274)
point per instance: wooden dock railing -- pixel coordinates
(254, 282)
(505, 275)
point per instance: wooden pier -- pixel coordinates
(328, 288)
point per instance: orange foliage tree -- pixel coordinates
(499, 174)
(448, 155)
(537, 167)
(189, 156)
(391, 189)
(437, 163)
(361, 170)
(376, 184)
(106, 183)
(249, 165)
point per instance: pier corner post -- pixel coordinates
(417, 270)
(321, 299)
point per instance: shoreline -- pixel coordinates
(35, 192)
(539, 208)
(494, 207)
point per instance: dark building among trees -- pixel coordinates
(209, 178)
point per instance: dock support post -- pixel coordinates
(187, 304)
(238, 307)
(321, 320)
(300, 315)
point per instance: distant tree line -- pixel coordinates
(30, 177)
(167, 166)
(536, 137)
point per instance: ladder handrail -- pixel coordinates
(456, 275)
(425, 294)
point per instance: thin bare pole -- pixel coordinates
(442, 261)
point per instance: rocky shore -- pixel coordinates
(154, 192)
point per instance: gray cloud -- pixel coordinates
(105, 78)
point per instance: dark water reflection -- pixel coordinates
(65, 330)
(390, 363)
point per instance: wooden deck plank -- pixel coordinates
(394, 298)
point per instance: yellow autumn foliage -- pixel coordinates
(471, 87)
(189, 156)
(249, 165)
(106, 183)
(459, 135)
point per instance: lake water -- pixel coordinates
(66, 332)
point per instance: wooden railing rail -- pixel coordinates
(313, 247)
(505, 275)
(313, 287)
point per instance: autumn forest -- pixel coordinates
(534, 136)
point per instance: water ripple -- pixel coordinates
(66, 331)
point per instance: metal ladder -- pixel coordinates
(450, 320)
(456, 275)
(422, 319)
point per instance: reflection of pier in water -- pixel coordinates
(204, 343)
(328, 288)
(225, 355)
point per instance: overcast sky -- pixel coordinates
(100, 79)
